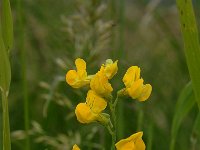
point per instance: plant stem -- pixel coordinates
(121, 56)
(191, 43)
(112, 106)
(6, 124)
(23, 68)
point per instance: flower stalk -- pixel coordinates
(113, 116)
(100, 95)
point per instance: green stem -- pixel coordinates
(112, 105)
(191, 43)
(6, 125)
(121, 56)
(24, 74)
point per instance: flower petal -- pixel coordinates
(134, 142)
(131, 75)
(75, 147)
(95, 102)
(84, 113)
(71, 77)
(136, 88)
(99, 83)
(146, 92)
(111, 68)
(81, 67)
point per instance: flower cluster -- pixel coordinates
(100, 95)
(134, 84)
(91, 110)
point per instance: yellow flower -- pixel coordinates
(78, 78)
(134, 142)
(110, 68)
(90, 111)
(134, 84)
(75, 147)
(99, 83)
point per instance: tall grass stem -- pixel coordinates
(23, 71)
(6, 124)
(191, 43)
(120, 56)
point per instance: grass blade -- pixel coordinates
(120, 56)
(5, 77)
(7, 24)
(6, 124)
(195, 137)
(1, 143)
(196, 128)
(191, 43)
(5, 72)
(185, 103)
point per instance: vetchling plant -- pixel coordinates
(100, 96)
(6, 40)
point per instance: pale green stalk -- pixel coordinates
(185, 103)
(191, 43)
(113, 117)
(5, 77)
(6, 125)
(7, 25)
(6, 40)
(113, 130)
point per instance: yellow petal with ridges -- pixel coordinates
(96, 103)
(71, 77)
(131, 75)
(134, 142)
(75, 147)
(146, 92)
(81, 67)
(136, 89)
(111, 68)
(84, 113)
(99, 83)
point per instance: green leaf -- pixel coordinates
(5, 71)
(196, 128)
(191, 43)
(195, 136)
(7, 24)
(185, 103)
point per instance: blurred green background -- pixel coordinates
(50, 35)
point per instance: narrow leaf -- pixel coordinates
(191, 43)
(184, 104)
(5, 71)
(7, 24)
(6, 124)
(196, 128)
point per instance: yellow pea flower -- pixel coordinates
(75, 147)
(78, 78)
(90, 111)
(110, 68)
(134, 142)
(99, 83)
(134, 84)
